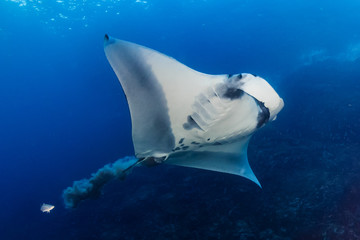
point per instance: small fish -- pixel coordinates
(46, 207)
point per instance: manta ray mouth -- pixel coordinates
(264, 115)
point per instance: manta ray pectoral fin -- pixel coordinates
(160, 92)
(228, 158)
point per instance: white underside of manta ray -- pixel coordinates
(184, 117)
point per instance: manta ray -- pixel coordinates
(184, 117)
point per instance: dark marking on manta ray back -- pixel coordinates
(233, 93)
(152, 127)
(181, 140)
(185, 147)
(195, 143)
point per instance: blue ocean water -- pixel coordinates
(63, 115)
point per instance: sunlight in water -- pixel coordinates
(71, 12)
(20, 2)
(71, 3)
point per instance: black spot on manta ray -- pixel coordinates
(185, 147)
(195, 143)
(263, 116)
(190, 124)
(181, 140)
(233, 93)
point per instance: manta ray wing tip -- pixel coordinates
(108, 40)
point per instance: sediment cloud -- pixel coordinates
(91, 188)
